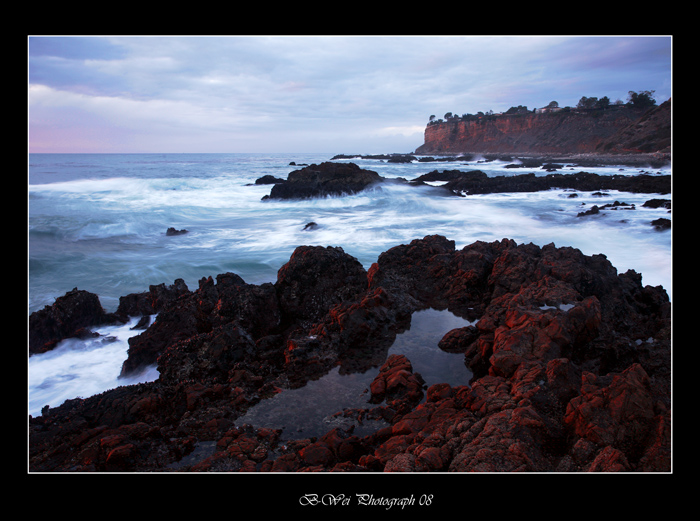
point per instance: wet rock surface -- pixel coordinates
(571, 363)
(325, 179)
(477, 182)
(70, 316)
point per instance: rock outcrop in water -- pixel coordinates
(325, 179)
(571, 365)
(477, 182)
(338, 179)
(70, 316)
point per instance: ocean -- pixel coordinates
(98, 222)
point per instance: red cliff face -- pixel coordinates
(562, 132)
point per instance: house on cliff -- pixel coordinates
(545, 110)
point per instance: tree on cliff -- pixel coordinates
(586, 103)
(603, 103)
(520, 109)
(642, 99)
(593, 103)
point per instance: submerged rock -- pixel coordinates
(172, 231)
(661, 224)
(571, 365)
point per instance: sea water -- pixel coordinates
(98, 222)
(317, 407)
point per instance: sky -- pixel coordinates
(310, 94)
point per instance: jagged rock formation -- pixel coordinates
(571, 364)
(70, 316)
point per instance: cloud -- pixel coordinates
(400, 131)
(336, 92)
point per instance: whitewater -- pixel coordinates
(98, 222)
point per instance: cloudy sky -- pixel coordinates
(310, 94)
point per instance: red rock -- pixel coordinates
(393, 446)
(317, 454)
(111, 441)
(609, 460)
(506, 441)
(429, 460)
(286, 463)
(438, 392)
(618, 413)
(489, 394)
(401, 463)
(396, 382)
(606, 355)
(120, 457)
(657, 455)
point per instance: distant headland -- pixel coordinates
(594, 126)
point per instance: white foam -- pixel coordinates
(81, 368)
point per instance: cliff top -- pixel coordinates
(563, 134)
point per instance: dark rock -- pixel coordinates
(269, 179)
(595, 209)
(69, 316)
(311, 226)
(400, 158)
(323, 180)
(476, 182)
(616, 205)
(571, 363)
(419, 279)
(212, 305)
(389, 158)
(658, 203)
(172, 231)
(661, 224)
(473, 176)
(458, 340)
(552, 167)
(152, 301)
(315, 279)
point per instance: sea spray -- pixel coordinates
(80, 368)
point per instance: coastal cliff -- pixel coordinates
(623, 130)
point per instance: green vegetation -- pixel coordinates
(636, 100)
(642, 99)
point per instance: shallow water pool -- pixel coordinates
(311, 410)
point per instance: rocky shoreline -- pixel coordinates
(528, 159)
(337, 179)
(571, 365)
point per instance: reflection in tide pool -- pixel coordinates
(309, 410)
